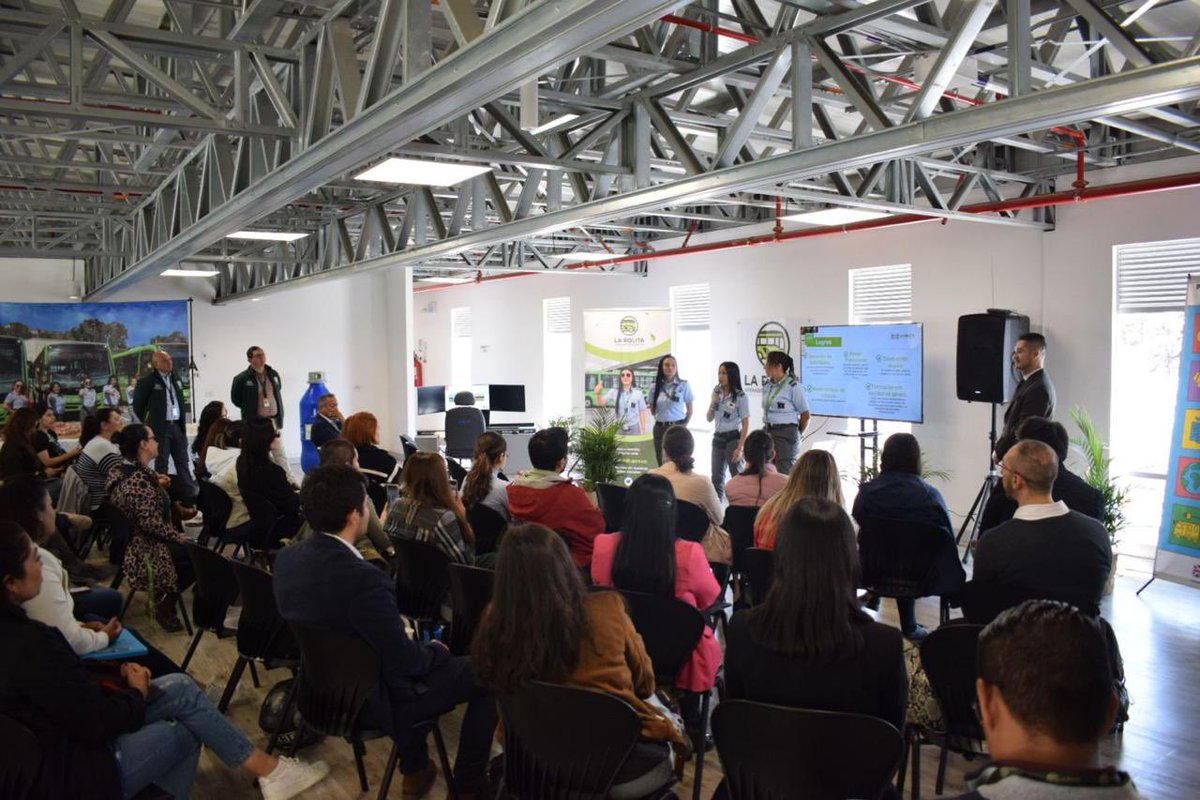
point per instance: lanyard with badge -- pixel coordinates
(262, 388)
(769, 399)
(172, 403)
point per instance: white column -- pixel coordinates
(402, 395)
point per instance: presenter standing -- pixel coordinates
(671, 403)
(729, 410)
(785, 408)
(630, 404)
(258, 393)
(1034, 396)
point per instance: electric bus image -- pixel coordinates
(135, 361)
(68, 363)
(12, 368)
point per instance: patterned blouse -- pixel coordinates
(436, 526)
(134, 490)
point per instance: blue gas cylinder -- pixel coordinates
(309, 457)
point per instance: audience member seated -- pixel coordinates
(216, 432)
(679, 468)
(1046, 551)
(100, 454)
(45, 440)
(542, 625)
(810, 645)
(155, 553)
(260, 478)
(758, 481)
(17, 454)
(646, 556)
(380, 466)
(815, 474)
(484, 484)
(1073, 490)
(213, 413)
(429, 511)
(374, 546)
(220, 457)
(117, 733)
(324, 581)
(1046, 701)
(900, 493)
(544, 496)
(329, 420)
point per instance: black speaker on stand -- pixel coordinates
(984, 374)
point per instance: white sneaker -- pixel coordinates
(291, 777)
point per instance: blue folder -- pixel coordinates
(126, 646)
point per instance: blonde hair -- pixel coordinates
(815, 474)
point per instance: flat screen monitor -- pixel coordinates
(480, 390)
(864, 371)
(507, 396)
(431, 399)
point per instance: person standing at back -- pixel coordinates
(159, 402)
(671, 403)
(729, 411)
(1034, 396)
(258, 393)
(785, 408)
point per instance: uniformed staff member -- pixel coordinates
(729, 409)
(630, 404)
(785, 408)
(672, 401)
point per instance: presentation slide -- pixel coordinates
(864, 371)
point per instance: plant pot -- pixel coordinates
(1112, 576)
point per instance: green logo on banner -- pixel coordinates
(1185, 526)
(771, 336)
(629, 325)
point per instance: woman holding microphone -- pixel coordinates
(785, 408)
(671, 404)
(729, 411)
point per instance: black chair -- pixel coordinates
(215, 590)
(422, 583)
(566, 743)
(691, 521)
(20, 759)
(262, 635)
(611, 499)
(948, 658)
(671, 629)
(267, 526)
(464, 425)
(716, 613)
(739, 523)
(488, 526)
(338, 674)
(216, 505)
(470, 592)
(377, 493)
(759, 564)
(775, 752)
(118, 532)
(909, 560)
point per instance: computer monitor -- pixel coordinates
(507, 397)
(479, 390)
(431, 399)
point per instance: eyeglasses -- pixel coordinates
(1007, 468)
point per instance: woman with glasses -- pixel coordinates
(18, 397)
(87, 400)
(630, 405)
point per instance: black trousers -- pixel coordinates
(452, 684)
(660, 430)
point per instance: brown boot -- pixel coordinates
(415, 785)
(164, 612)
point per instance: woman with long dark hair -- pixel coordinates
(814, 475)
(211, 412)
(785, 408)
(646, 556)
(18, 455)
(429, 512)
(671, 402)
(729, 411)
(100, 453)
(810, 644)
(629, 403)
(679, 447)
(483, 483)
(264, 484)
(542, 625)
(758, 481)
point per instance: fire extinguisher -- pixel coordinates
(418, 371)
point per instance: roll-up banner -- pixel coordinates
(622, 348)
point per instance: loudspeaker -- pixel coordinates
(985, 344)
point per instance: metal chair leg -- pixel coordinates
(451, 788)
(916, 769)
(699, 745)
(128, 602)
(235, 675)
(941, 776)
(905, 742)
(254, 675)
(191, 650)
(183, 614)
(388, 772)
(359, 751)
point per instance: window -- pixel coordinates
(692, 346)
(881, 294)
(1151, 292)
(556, 358)
(460, 346)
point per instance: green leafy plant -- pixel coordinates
(1099, 473)
(596, 447)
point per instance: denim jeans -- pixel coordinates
(166, 750)
(99, 602)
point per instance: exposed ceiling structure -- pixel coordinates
(138, 135)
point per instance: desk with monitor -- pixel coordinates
(493, 400)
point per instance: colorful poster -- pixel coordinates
(755, 339)
(622, 348)
(1178, 555)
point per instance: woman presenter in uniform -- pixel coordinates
(785, 408)
(671, 403)
(729, 411)
(630, 404)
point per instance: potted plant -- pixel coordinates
(1099, 476)
(594, 445)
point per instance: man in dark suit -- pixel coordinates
(328, 424)
(324, 581)
(158, 401)
(1034, 396)
(1073, 490)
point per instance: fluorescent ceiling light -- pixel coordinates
(835, 216)
(585, 256)
(424, 173)
(267, 236)
(189, 273)
(553, 122)
(447, 280)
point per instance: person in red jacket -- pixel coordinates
(544, 496)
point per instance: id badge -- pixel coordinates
(727, 415)
(266, 403)
(779, 406)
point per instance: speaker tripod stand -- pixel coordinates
(975, 515)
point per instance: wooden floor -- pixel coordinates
(1159, 634)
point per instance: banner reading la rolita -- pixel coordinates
(622, 348)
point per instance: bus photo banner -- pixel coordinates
(82, 346)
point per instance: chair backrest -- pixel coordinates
(908, 559)
(759, 566)
(20, 759)
(670, 629)
(488, 526)
(982, 602)
(470, 592)
(119, 531)
(377, 493)
(422, 578)
(611, 499)
(464, 425)
(739, 522)
(262, 633)
(216, 587)
(563, 742)
(948, 658)
(770, 752)
(216, 506)
(691, 521)
(263, 516)
(338, 674)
